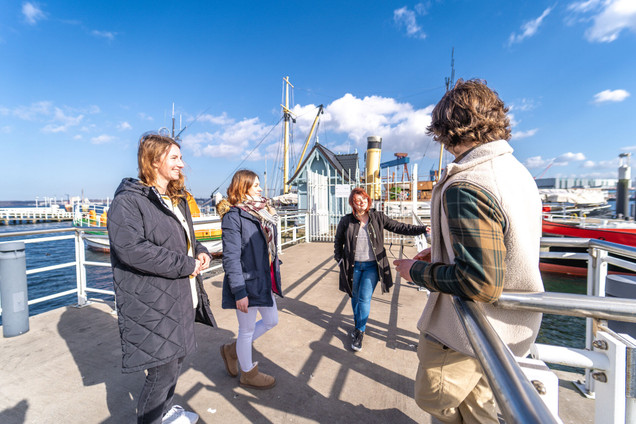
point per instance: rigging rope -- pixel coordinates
(247, 157)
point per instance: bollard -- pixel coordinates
(13, 289)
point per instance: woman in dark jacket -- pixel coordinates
(252, 273)
(359, 250)
(156, 264)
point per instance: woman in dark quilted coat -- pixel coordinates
(156, 264)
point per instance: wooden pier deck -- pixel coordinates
(66, 369)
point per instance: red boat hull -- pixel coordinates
(626, 236)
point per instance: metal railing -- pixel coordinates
(516, 396)
(606, 356)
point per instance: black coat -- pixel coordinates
(151, 269)
(246, 261)
(345, 245)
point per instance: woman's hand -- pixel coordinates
(424, 255)
(242, 304)
(197, 268)
(205, 260)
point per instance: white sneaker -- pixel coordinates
(178, 415)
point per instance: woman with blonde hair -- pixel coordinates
(252, 273)
(156, 263)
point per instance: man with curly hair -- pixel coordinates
(486, 230)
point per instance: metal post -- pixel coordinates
(80, 269)
(13, 289)
(414, 191)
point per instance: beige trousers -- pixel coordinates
(452, 386)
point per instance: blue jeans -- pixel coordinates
(365, 277)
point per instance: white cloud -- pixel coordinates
(524, 134)
(30, 113)
(104, 34)
(402, 128)
(407, 19)
(32, 13)
(536, 162)
(101, 139)
(604, 165)
(61, 122)
(235, 139)
(628, 148)
(524, 105)
(609, 18)
(568, 157)
(145, 117)
(6, 129)
(223, 119)
(562, 160)
(78, 137)
(528, 29)
(122, 126)
(611, 96)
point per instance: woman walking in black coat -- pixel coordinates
(359, 250)
(156, 264)
(252, 273)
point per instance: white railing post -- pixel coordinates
(80, 268)
(596, 276)
(279, 236)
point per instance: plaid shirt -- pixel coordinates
(476, 226)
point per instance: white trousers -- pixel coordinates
(250, 330)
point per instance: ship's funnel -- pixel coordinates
(372, 170)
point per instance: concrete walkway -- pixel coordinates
(66, 369)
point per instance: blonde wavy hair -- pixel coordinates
(469, 113)
(151, 149)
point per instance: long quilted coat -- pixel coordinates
(151, 268)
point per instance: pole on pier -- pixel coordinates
(622, 187)
(13, 289)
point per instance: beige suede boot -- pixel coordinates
(256, 380)
(228, 353)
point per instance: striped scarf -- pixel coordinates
(267, 216)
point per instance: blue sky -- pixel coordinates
(80, 81)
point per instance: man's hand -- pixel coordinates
(242, 304)
(403, 266)
(205, 261)
(424, 255)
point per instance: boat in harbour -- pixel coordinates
(207, 228)
(612, 230)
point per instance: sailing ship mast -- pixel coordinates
(287, 115)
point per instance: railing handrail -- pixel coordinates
(577, 305)
(516, 396)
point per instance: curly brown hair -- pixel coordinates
(152, 147)
(469, 113)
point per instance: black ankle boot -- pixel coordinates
(356, 344)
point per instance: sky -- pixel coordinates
(80, 81)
